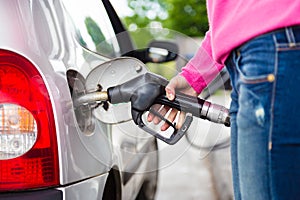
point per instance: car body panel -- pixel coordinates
(87, 189)
(49, 59)
(42, 32)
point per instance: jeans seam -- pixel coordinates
(286, 44)
(272, 119)
(237, 58)
(281, 48)
(255, 80)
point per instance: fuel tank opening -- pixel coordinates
(83, 112)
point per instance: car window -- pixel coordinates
(93, 27)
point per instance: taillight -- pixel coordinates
(28, 146)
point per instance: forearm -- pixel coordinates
(202, 68)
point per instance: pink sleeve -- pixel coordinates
(202, 68)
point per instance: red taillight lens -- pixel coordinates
(28, 145)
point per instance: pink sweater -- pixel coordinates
(233, 22)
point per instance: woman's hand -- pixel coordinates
(177, 83)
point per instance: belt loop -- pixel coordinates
(290, 36)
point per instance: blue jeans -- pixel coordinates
(265, 116)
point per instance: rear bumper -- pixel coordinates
(51, 194)
(91, 189)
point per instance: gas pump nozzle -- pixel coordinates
(149, 89)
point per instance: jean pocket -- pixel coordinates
(254, 69)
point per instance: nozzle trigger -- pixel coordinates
(175, 136)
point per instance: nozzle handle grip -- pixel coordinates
(183, 102)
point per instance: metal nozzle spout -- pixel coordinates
(218, 114)
(91, 98)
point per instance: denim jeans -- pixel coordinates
(265, 116)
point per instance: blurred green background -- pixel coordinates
(187, 17)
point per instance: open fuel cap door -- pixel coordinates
(112, 73)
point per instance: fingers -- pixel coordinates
(171, 117)
(181, 119)
(176, 83)
(161, 110)
(169, 114)
(151, 116)
(170, 92)
(170, 88)
(164, 111)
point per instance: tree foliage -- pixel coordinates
(145, 11)
(188, 17)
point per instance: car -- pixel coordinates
(51, 148)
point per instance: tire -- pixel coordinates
(112, 189)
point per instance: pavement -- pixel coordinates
(189, 173)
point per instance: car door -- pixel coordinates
(99, 30)
(94, 31)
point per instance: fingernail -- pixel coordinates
(170, 96)
(163, 128)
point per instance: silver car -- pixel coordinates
(52, 52)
